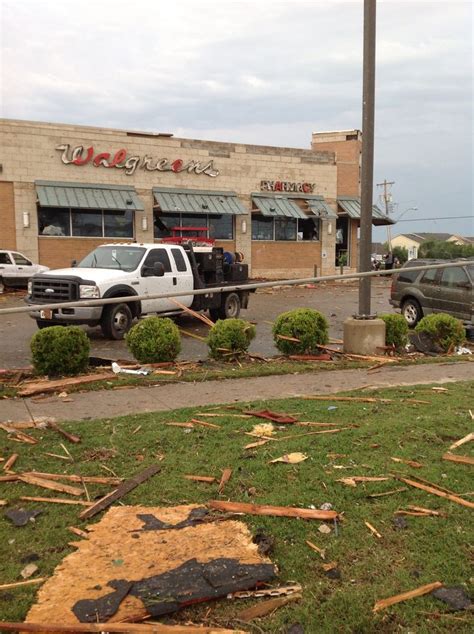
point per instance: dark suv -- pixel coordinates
(448, 290)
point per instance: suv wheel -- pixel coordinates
(412, 312)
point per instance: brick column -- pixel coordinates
(144, 235)
(328, 246)
(243, 239)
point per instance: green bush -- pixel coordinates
(446, 331)
(229, 338)
(396, 330)
(309, 326)
(153, 340)
(60, 351)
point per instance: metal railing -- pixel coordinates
(222, 289)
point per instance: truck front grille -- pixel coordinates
(54, 290)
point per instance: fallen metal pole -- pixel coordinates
(219, 289)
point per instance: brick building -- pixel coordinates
(65, 189)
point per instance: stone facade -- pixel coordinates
(28, 153)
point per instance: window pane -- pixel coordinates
(198, 222)
(164, 223)
(5, 258)
(86, 223)
(158, 255)
(179, 260)
(454, 277)
(429, 276)
(262, 227)
(118, 224)
(308, 229)
(285, 228)
(221, 227)
(20, 259)
(53, 221)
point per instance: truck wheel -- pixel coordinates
(45, 323)
(412, 312)
(116, 321)
(230, 307)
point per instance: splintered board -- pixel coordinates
(149, 561)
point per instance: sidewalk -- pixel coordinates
(165, 397)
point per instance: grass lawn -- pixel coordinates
(429, 549)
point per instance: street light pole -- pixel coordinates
(367, 177)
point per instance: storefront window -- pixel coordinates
(206, 225)
(308, 229)
(87, 224)
(262, 227)
(118, 224)
(285, 228)
(221, 227)
(164, 223)
(53, 221)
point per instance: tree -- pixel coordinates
(445, 250)
(401, 253)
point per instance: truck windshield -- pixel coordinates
(122, 258)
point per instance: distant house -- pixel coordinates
(412, 241)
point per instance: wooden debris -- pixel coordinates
(275, 417)
(278, 511)
(461, 459)
(307, 423)
(438, 492)
(458, 443)
(204, 423)
(348, 399)
(285, 338)
(420, 511)
(353, 480)
(193, 313)
(315, 433)
(55, 455)
(260, 443)
(18, 584)
(124, 488)
(49, 484)
(291, 458)
(405, 596)
(373, 530)
(321, 551)
(439, 389)
(53, 386)
(379, 495)
(71, 437)
(197, 478)
(78, 532)
(266, 592)
(185, 425)
(11, 477)
(267, 607)
(410, 463)
(126, 628)
(310, 357)
(225, 478)
(329, 566)
(192, 335)
(74, 478)
(3, 502)
(431, 484)
(29, 498)
(18, 436)
(10, 462)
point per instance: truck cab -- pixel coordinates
(132, 270)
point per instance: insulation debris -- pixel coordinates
(291, 458)
(166, 563)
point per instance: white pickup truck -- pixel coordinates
(125, 270)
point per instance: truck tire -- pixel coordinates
(116, 321)
(230, 307)
(412, 311)
(45, 323)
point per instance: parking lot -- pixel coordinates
(335, 300)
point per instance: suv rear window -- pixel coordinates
(408, 276)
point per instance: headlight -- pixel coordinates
(88, 291)
(30, 287)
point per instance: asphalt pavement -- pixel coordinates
(335, 300)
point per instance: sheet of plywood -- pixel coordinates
(140, 561)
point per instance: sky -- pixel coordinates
(261, 72)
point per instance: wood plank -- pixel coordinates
(348, 399)
(52, 386)
(266, 607)
(225, 478)
(124, 488)
(204, 423)
(10, 462)
(278, 511)
(460, 442)
(196, 478)
(74, 478)
(71, 437)
(132, 628)
(460, 459)
(18, 584)
(405, 596)
(50, 484)
(29, 498)
(193, 313)
(438, 492)
(410, 463)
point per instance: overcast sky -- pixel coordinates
(260, 72)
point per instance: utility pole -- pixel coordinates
(387, 199)
(367, 176)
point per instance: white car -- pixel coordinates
(16, 269)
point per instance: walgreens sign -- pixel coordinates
(79, 155)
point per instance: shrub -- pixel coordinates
(229, 338)
(309, 326)
(60, 350)
(153, 340)
(396, 330)
(445, 331)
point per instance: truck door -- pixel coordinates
(184, 278)
(455, 293)
(151, 285)
(7, 268)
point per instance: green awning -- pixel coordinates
(351, 208)
(87, 196)
(320, 208)
(197, 201)
(278, 206)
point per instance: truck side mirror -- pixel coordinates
(158, 269)
(74, 263)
